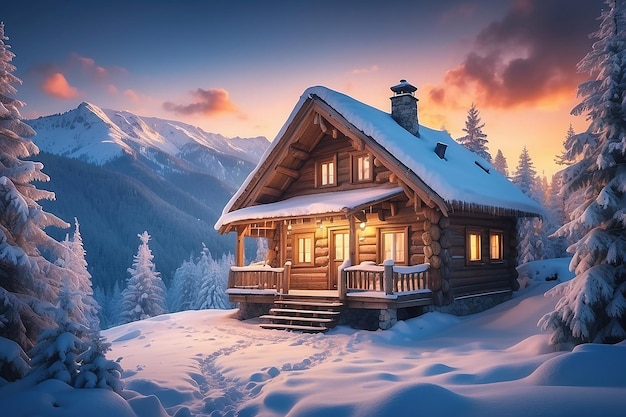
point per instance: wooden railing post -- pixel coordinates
(388, 276)
(286, 278)
(342, 285)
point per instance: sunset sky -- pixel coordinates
(238, 67)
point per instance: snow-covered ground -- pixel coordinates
(206, 363)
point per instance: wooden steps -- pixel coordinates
(303, 314)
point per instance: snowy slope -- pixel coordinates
(98, 136)
(207, 363)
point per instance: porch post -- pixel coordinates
(240, 255)
(388, 276)
(354, 238)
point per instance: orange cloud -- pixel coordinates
(211, 102)
(56, 85)
(529, 57)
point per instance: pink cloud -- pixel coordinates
(56, 85)
(131, 95)
(528, 57)
(359, 71)
(89, 67)
(211, 102)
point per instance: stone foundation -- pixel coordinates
(251, 310)
(374, 319)
(463, 306)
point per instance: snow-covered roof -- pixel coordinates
(310, 205)
(462, 178)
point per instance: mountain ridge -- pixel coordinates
(121, 174)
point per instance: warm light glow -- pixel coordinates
(362, 225)
(495, 245)
(474, 246)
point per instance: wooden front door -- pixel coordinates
(339, 250)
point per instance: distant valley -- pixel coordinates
(121, 174)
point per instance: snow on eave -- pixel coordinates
(311, 204)
(456, 179)
(462, 176)
(228, 207)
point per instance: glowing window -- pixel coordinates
(474, 245)
(304, 249)
(495, 245)
(362, 168)
(327, 173)
(342, 246)
(393, 245)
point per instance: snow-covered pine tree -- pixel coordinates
(475, 140)
(100, 295)
(144, 295)
(563, 158)
(592, 307)
(96, 371)
(261, 249)
(500, 164)
(74, 260)
(528, 229)
(29, 282)
(525, 175)
(13, 361)
(55, 355)
(212, 292)
(114, 305)
(554, 219)
(185, 285)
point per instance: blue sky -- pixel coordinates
(238, 67)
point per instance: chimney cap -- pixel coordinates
(403, 88)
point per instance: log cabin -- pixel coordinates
(370, 217)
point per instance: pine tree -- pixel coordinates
(592, 307)
(29, 282)
(563, 158)
(74, 260)
(475, 140)
(212, 293)
(144, 295)
(500, 164)
(554, 219)
(185, 285)
(530, 245)
(114, 305)
(96, 371)
(55, 355)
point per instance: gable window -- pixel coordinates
(393, 245)
(362, 168)
(326, 173)
(303, 249)
(495, 246)
(474, 245)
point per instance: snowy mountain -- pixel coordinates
(99, 136)
(121, 174)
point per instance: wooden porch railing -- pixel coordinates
(260, 277)
(388, 278)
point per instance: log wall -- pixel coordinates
(466, 278)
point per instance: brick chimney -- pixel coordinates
(404, 107)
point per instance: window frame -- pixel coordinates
(318, 172)
(500, 235)
(469, 232)
(365, 156)
(296, 249)
(381, 232)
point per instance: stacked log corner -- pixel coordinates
(436, 240)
